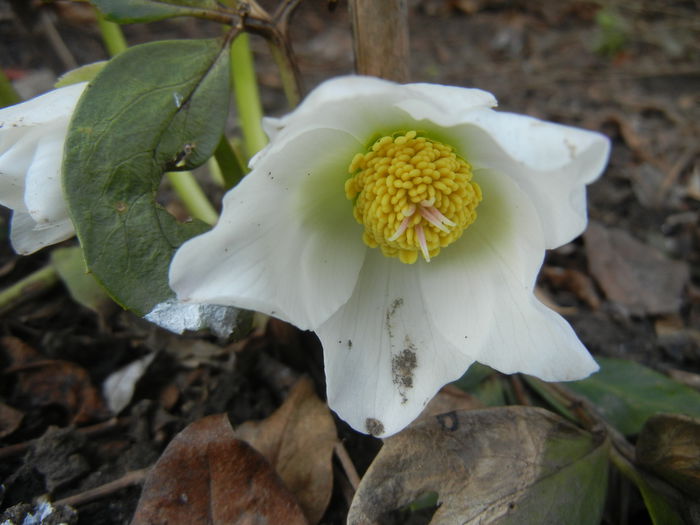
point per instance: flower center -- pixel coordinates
(412, 194)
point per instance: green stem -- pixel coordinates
(229, 164)
(8, 95)
(288, 73)
(247, 96)
(34, 283)
(192, 196)
(112, 35)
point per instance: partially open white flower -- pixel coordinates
(406, 225)
(31, 151)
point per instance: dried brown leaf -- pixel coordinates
(298, 441)
(448, 399)
(10, 419)
(634, 274)
(206, 475)
(500, 465)
(669, 446)
(43, 382)
(574, 281)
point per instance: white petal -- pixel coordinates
(56, 104)
(479, 291)
(43, 195)
(14, 163)
(339, 102)
(287, 243)
(551, 162)
(367, 107)
(27, 237)
(384, 358)
(444, 105)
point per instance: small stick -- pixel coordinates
(135, 477)
(57, 42)
(519, 389)
(20, 448)
(342, 454)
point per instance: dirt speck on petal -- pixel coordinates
(374, 426)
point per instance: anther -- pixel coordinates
(402, 174)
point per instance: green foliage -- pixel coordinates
(83, 288)
(627, 394)
(574, 489)
(129, 11)
(612, 32)
(156, 107)
(82, 74)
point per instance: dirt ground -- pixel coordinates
(630, 286)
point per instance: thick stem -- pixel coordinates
(112, 35)
(245, 87)
(289, 73)
(192, 196)
(380, 30)
(228, 164)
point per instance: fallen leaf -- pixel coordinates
(10, 419)
(206, 475)
(669, 446)
(298, 441)
(119, 386)
(500, 465)
(634, 274)
(449, 399)
(574, 281)
(43, 382)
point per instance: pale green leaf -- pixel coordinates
(82, 74)
(82, 286)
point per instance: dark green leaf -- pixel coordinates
(153, 108)
(129, 11)
(474, 375)
(658, 498)
(627, 394)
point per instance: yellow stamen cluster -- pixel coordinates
(413, 195)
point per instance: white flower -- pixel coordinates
(31, 151)
(294, 240)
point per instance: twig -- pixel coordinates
(57, 42)
(135, 477)
(92, 430)
(519, 389)
(342, 454)
(675, 171)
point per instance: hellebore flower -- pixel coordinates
(31, 151)
(405, 225)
